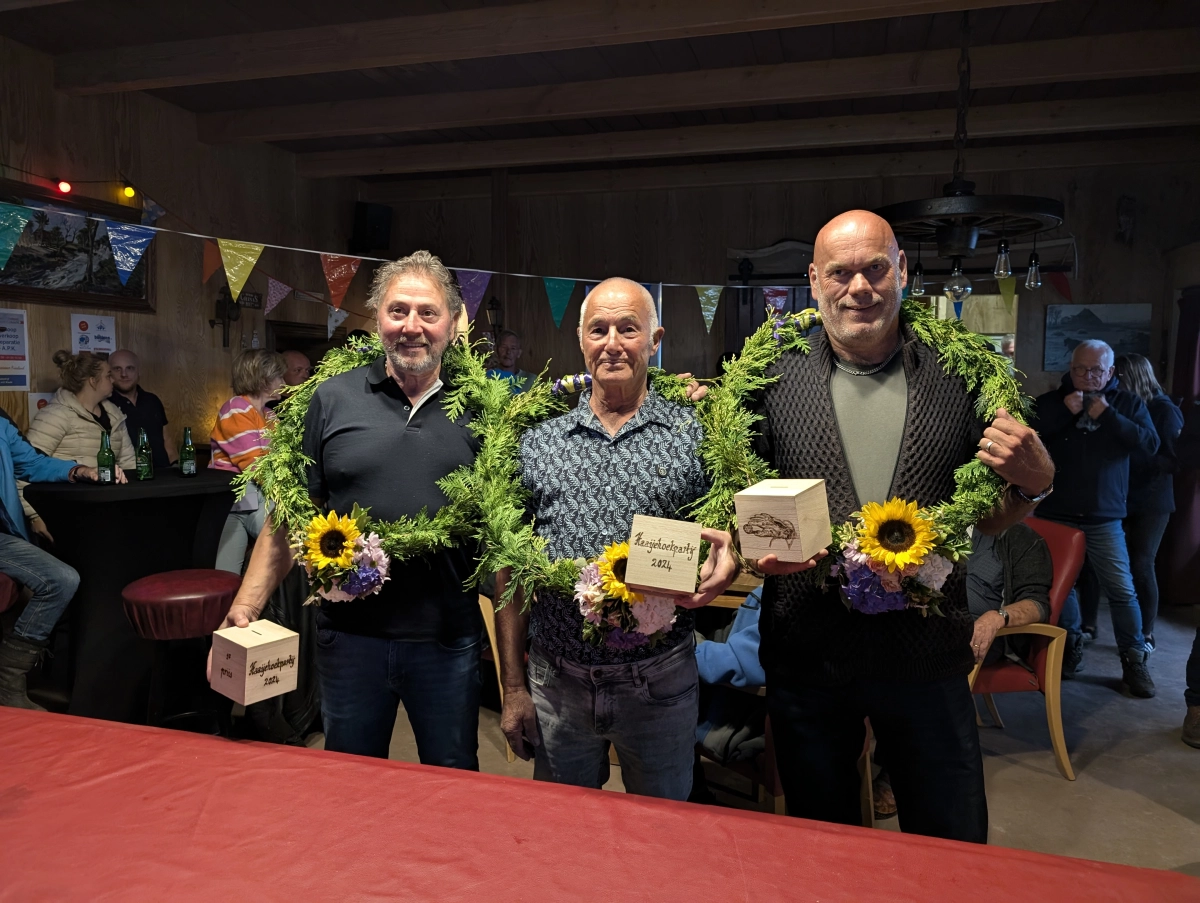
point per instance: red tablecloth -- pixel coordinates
(93, 810)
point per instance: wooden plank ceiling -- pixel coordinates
(465, 86)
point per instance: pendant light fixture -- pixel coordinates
(1033, 279)
(1003, 268)
(916, 285)
(957, 287)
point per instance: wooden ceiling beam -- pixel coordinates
(10, 5)
(463, 34)
(1075, 154)
(1042, 118)
(1165, 52)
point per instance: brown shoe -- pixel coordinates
(1191, 726)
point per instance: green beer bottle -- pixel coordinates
(106, 461)
(145, 457)
(187, 454)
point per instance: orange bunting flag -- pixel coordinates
(339, 273)
(212, 259)
(239, 258)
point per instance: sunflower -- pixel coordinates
(612, 573)
(894, 534)
(330, 541)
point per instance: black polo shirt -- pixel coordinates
(149, 415)
(366, 448)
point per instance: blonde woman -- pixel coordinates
(70, 427)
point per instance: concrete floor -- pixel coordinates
(1136, 797)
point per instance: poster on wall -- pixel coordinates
(1125, 327)
(14, 350)
(95, 334)
(37, 401)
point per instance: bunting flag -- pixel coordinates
(776, 297)
(1008, 288)
(276, 292)
(339, 273)
(151, 212)
(559, 293)
(212, 259)
(472, 284)
(1061, 284)
(128, 243)
(239, 258)
(336, 318)
(12, 223)
(957, 309)
(710, 297)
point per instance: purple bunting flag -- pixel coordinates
(473, 284)
(276, 292)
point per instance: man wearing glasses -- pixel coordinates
(1091, 426)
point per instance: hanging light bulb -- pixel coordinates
(958, 286)
(64, 186)
(1034, 277)
(1003, 268)
(916, 285)
(129, 191)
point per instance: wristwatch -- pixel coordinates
(1037, 498)
(1004, 614)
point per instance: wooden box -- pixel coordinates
(663, 556)
(250, 664)
(787, 518)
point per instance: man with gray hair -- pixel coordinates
(379, 436)
(1091, 427)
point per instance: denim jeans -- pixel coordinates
(1108, 556)
(240, 530)
(51, 582)
(926, 732)
(364, 679)
(648, 710)
(1143, 535)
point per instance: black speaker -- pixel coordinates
(372, 228)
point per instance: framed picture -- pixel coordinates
(1125, 327)
(63, 255)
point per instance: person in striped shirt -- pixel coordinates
(238, 439)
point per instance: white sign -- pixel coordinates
(37, 401)
(95, 334)
(14, 350)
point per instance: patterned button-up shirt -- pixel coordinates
(586, 486)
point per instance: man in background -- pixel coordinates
(142, 409)
(299, 367)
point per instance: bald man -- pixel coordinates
(299, 367)
(142, 409)
(624, 450)
(871, 411)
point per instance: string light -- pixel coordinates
(64, 186)
(129, 191)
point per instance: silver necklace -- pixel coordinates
(837, 362)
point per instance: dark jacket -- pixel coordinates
(1151, 486)
(1091, 478)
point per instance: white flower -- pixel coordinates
(654, 614)
(934, 571)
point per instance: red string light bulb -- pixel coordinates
(64, 186)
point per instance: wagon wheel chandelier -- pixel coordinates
(958, 219)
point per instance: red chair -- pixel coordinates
(1048, 642)
(9, 593)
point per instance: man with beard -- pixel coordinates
(873, 413)
(379, 436)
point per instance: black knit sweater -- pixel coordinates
(808, 634)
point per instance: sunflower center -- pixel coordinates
(896, 535)
(332, 543)
(618, 569)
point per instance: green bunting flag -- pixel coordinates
(710, 297)
(1008, 287)
(12, 224)
(559, 292)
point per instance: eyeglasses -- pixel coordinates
(1089, 371)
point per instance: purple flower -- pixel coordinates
(619, 639)
(867, 594)
(362, 581)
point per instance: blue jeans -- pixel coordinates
(648, 710)
(1108, 556)
(241, 529)
(364, 679)
(52, 583)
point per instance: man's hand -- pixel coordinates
(1016, 453)
(718, 571)
(1074, 402)
(773, 567)
(986, 626)
(39, 528)
(695, 391)
(1098, 406)
(240, 614)
(91, 474)
(518, 720)
(118, 474)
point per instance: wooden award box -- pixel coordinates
(250, 664)
(663, 556)
(787, 518)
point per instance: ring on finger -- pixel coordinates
(988, 448)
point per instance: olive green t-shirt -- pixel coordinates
(870, 413)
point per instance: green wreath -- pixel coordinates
(487, 501)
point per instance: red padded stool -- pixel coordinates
(9, 593)
(176, 605)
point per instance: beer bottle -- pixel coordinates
(187, 454)
(106, 461)
(145, 457)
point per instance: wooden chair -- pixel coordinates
(1067, 548)
(489, 623)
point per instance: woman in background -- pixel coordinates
(238, 440)
(71, 426)
(1151, 488)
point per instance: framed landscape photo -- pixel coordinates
(1125, 327)
(63, 255)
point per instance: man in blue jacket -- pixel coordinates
(52, 582)
(1091, 427)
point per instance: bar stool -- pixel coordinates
(176, 605)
